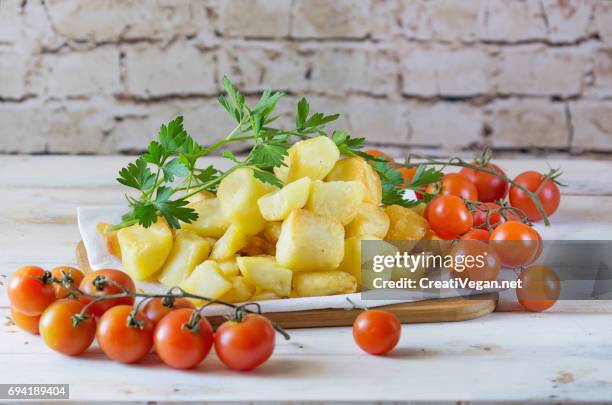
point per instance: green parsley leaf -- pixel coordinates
(267, 177)
(173, 211)
(268, 155)
(174, 168)
(301, 113)
(137, 175)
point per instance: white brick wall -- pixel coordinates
(447, 75)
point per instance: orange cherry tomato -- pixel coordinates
(246, 344)
(448, 216)
(548, 195)
(407, 173)
(117, 276)
(178, 345)
(456, 184)
(515, 243)
(122, 340)
(25, 322)
(380, 154)
(154, 310)
(475, 260)
(476, 234)
(489, 186)
(75, 274)
(540, 289)
(376, 332)
(59, 333)
(28, 293)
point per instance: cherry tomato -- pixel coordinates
(380, 154)
(121, 340)
(154, 310)
(475, 260)
(476, 234)
(178, 345)
(448, 216)
(58, 331)
(515, 243)
(490, 187)
(376, 331)
(25, 322)
(456, 184)
(540, 290)
(495, 217)
(119, 277)
(548, 195)
(27, 293)
(246, 344)
(75, 274)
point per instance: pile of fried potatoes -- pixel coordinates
(253, 241)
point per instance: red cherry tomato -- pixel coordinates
(540, 289)
(475, 260)
(117, 276)
(548, 195)
(376, 332)
(476, 234)
(154, 310)
(178, 345)
(448, 216)
(58, 331)
(495, 217)
(246, 344)
(121, 340)
(27, 293)
(490, 187)
(515, 243)
(75, 274)
(380, 154)
(456, 184)
(25, 322)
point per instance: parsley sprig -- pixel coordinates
(167, 174)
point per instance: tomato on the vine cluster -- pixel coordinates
(548, 194)
(115, 276)
(28, 293)
(448, 216)
(455, 184)
(25, 322)
(540, 289)
(75, 275)
(489, 186)
(376, 331)
(515, 243)
(246, 343)
(124, 338)
(155, 308)
(58, 329)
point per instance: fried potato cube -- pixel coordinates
(206, 280)
(359, 262)
(210, 222)
(257, 246)
(370, 220)
(144, 250)
(238, 194)
(277, 205)
(229, 244)
(110, 239)
(241, 290)
(202, 195)
(313, 158)
(405, 224)
(188, 251)
(282, 172)
(229, 267)
(272, 231)
(319, 283)
(358, 169)
(336, 199)
(310, 242)
(266, 273)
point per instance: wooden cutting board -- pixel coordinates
(438, 310)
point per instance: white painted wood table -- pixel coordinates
(562, 355)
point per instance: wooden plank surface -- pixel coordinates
(555, 356)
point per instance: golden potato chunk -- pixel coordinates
(229, 267)
(210, 222)
(206, 280)
(230, 243)
(277, 205)
(238, 194)
(144, 250)
(310, 242)
(313, 158)
(257, 246)
(266, 273)
(262, 295)
(241, 290)
(336, 199)
(318, 283)
(110, 239)
(358, 169)
(282, 172)
(272, 231)
(202, 195)
(405, 224)
(188, 251)
(370, 220)
(359, 263)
